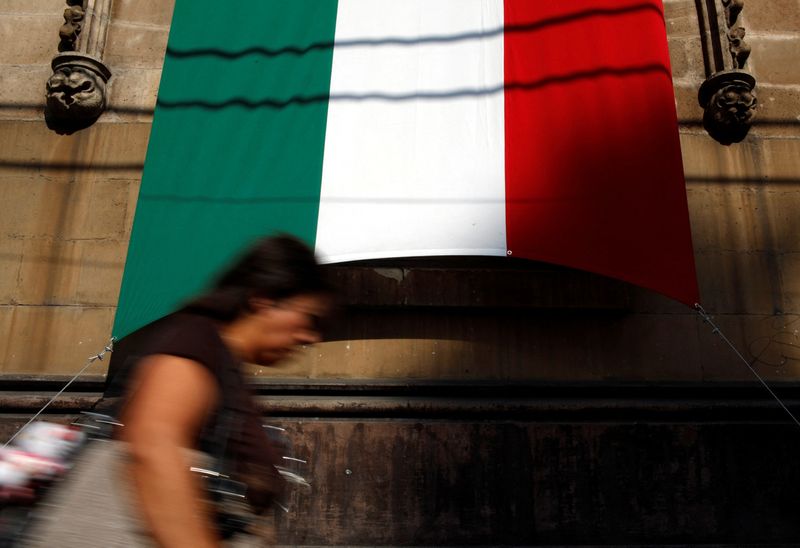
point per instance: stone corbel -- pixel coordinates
(728, 93)
(76, 91)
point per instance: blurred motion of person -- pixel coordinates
(177, 384)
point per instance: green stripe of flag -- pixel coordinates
(236, 146)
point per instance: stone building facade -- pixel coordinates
(580, 411)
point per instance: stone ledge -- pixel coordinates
(580, 402)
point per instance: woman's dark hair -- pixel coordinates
(276, 267)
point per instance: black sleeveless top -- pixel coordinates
(196, 337)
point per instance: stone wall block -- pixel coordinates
(135, 46)
(22, 92)
(41, 37)
(774, 59)
(65, 209)
(101, 215)
(53, 339)
(681, 18)
(647, 347)
(35, 205)
(724, 218)
(503, 345)
(705, 160)
(729, 217)
(130, 207)
(772, 16)
(778, 113)
(766, 341)
(49, 272)
(10, 263)
(783, 161)
(100, 275)
(750, 162)
(782, 207)
(115, 150)
(82, 272)
(132, 95)
(152, 12)
(739, 282)
(686, 60)
(26, 7)
(790, 271)
(689, 110)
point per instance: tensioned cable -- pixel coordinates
(717, 331)
(97, 357)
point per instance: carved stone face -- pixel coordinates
(75, 93)
(730, 112)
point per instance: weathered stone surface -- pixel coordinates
(681, 18)
(63, 209)
(153, 12)
(771, 16)
(503, 345)
(687, 106)
(739, 282)
(57, 272)
(518, 483)
(768, 342)
(69, 203)
(22, 92)
(132, 95)
(774, 58)
(101, 214)
(705, 160)
(475, 282)
(135, 46)
(783, 160)
(130, 208)
(790, 278)
(778, 112)
(10, 262)
(49, 272)
(55, 339)
(778, 104)
(757, 217)
(101, 272)
(115, 149)
(41, 37)
(686, 59)
(26, 7)
(35, 205)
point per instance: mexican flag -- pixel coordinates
(541, 129)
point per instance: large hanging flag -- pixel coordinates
(541, 129)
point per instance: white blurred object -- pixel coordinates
(40, 453)
(50, 440)
(11, 474)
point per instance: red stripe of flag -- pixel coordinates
(594, 178)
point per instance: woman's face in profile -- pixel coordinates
(283, 325)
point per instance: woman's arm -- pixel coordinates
(169, 403)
